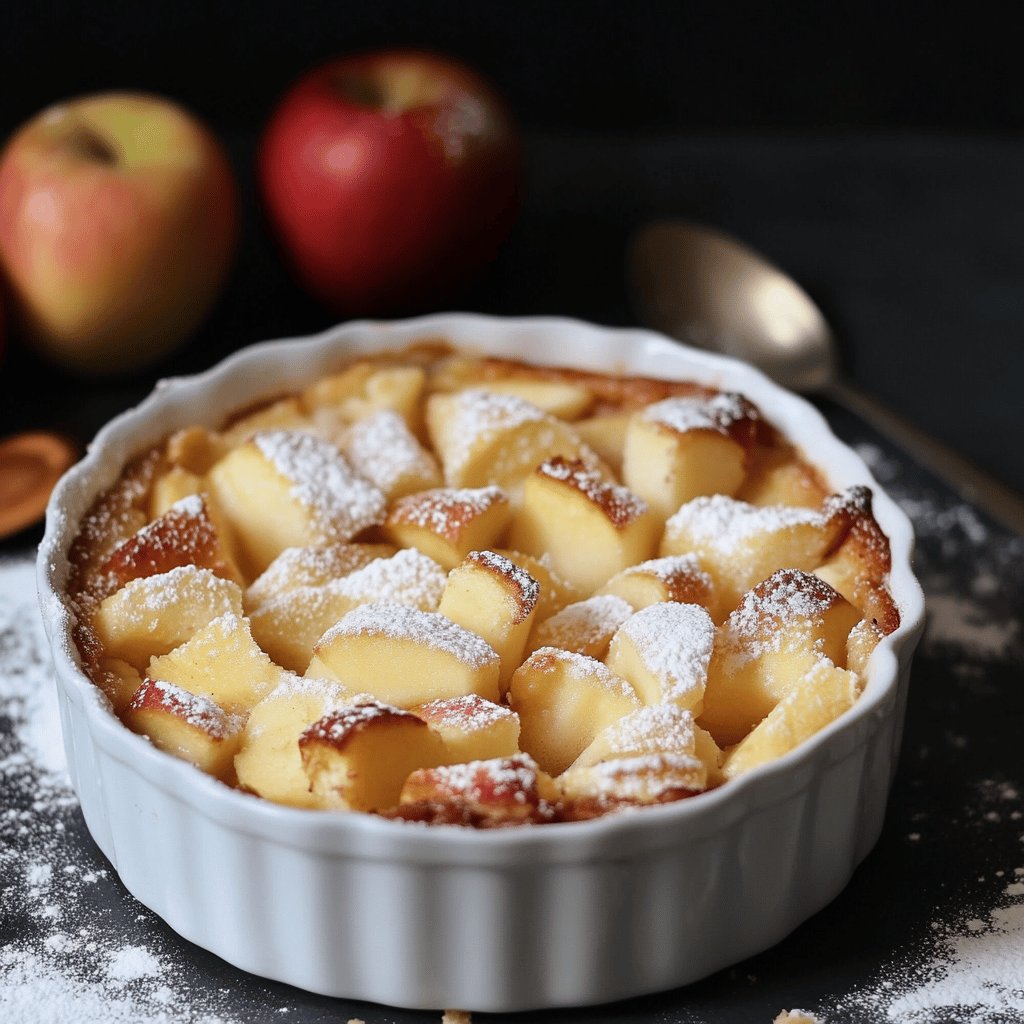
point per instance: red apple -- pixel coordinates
(391, 178)
(117, 227)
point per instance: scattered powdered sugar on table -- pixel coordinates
(973, 972)
(74, 957)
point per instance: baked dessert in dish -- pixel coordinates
(460, 589)
(613, 906)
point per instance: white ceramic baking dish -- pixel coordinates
(357, 906)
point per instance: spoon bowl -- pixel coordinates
(703, 287)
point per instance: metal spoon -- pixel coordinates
(706, 288)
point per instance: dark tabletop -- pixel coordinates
(914, 246)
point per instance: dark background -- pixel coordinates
(871, 150)
(598, 67)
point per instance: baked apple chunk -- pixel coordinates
(358, 757)
(311, 567)
(363, 389)
(563, 701)
(680, 448)
(740, 545)
(486, 438)
(673, 578)
(286, 488)
(780, 631)
(664, 651)
(493, 597)
(555, 590)
(289, 626)
(385, 451)
(154, 614)
(652, 729)
(472, 728)
(187, 725)
(630, 782)
(448, 523)
(406, 657)
(268, 761)
(591, 529)
(814, 700)
(655, 729)
(583, 627)
(490, 793)
(221, 661)
(183, 535)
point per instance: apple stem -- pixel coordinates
(89, 145)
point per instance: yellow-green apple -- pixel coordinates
(118, 218)
(392, 178)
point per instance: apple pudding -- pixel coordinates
(461, 590)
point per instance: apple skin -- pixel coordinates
(118, 220)
(391, 178)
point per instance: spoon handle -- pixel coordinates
(972, 484)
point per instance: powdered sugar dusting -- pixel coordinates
(674, 642)
(677, 572)
(300, 567)
(383, 449)
(497, 779)
(468, 712)
(652, 729)
(290, 625)
(584, 625)
(971, 972)
(407, 577)
(446, 511)
(140, 602)
(644, 778)
(293, 685)
(478, 415)
(526, 587)
(618, 503)
(727, 524)
(579, 666)
(197, 710)
(718, 413)
(338, 724)
(426, 629)
(341, 502)
(785, 608)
